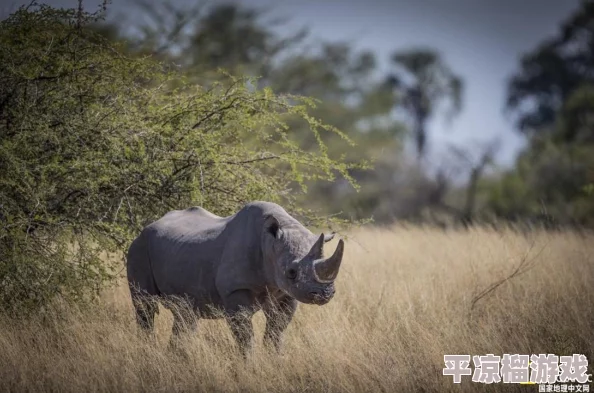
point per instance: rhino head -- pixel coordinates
(294, 261)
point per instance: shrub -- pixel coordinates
(94, 143)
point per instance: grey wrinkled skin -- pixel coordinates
(260, 258)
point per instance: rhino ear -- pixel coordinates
(329, 237)
(272, 226)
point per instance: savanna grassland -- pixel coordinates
(404, 299)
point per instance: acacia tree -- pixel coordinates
(424, 82)
(95, 143)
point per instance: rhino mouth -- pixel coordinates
(320, 299)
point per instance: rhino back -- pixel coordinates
(185, 248)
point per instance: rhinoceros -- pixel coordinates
(260, 258)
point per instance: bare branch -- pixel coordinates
(522, 267)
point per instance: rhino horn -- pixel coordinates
(327, 269)
(317, 249)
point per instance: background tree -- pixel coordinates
(552, 96)
(202, 38)
(424, 81)
(551, 73)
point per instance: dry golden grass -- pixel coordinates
(403, 300)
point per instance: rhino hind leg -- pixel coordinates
(146, 307)
(143, 288)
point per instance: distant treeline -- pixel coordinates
(551, 95)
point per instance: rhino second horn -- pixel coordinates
(327, 269)
(317, 249)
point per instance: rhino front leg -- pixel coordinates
(239, 310)
(279, 314)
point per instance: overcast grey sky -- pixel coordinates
(482, 40)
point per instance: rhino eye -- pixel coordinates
(292, 274)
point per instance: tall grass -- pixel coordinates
(403, 300)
